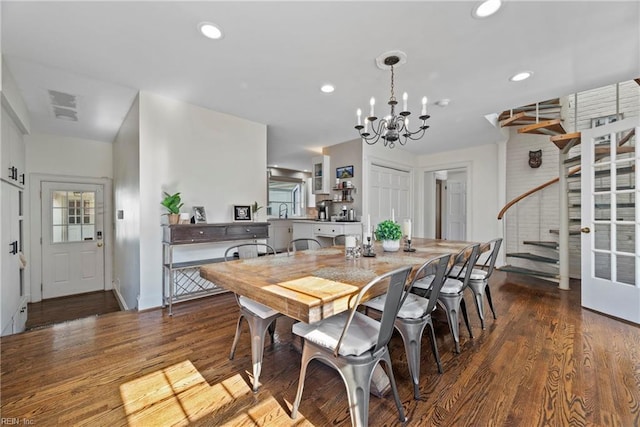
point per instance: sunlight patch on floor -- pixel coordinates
(177, 395)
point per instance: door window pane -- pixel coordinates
(602, 236)
(602, 265)
(73, 216)
(626, 238)
(626, 269)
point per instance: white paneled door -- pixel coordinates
(610, 221)
(456, 207)
(389, 191)
(72, 239)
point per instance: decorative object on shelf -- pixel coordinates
(344, 172)
(535, 159)
(352, 246)
(185, 218)
(173, 203)
(254, 210)
(199, 215)
(241, 213)
(391, 128)
(390, 233)
(368, 247)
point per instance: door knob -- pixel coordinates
(585, 230)
(99, 244)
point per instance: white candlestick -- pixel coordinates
(406, 228)
(350, 242)
(393, 215)
(372, 102)
(424, 105)
(404, 101)
(359, 114)
(368, 223)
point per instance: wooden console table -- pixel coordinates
(181, 280)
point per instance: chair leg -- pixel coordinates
(488, 293)
(357, 379)
(477, 288)
(236, 338)
(258, 327)
(463, 308)
(272, 330)
(396, 397)
(303, 372)
(434, 346)
(451, 304)
(411, 334)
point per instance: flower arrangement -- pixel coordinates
(388, 230)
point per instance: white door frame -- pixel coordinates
(426, 197)
(35, 225)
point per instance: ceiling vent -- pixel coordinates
(64, 105)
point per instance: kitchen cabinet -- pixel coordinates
(280, 232)
(320, 174)
(303, 229)
(12, 156)
(181, 280)
(325, 231)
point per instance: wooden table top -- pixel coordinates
(312, 285)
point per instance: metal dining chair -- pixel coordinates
(353, 344)
(415, 315)
(259, 317)
(451, 294)
(303, 244)
(479, 279)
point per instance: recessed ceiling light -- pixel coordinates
(443, 102)
(327, 88)
(210, 30)
(486, 8)
(523, 75)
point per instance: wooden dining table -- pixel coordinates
(312, 285)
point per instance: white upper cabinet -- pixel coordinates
(12, 155)
(320, 175)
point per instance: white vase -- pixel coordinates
(391, 245)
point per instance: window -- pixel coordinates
(73, 216)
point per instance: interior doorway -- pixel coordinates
(445, 204)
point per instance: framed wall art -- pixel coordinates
(242, 213)
(344, 172)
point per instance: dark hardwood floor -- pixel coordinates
(544, 362)
(56, 310)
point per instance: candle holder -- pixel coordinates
(368, 248)
(408, 247)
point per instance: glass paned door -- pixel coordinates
(73, 216)
(610, 223)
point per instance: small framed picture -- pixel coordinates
(241, 213)
(344, 172)
(199, 214)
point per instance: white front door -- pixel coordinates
(610, 223)
(72, 239)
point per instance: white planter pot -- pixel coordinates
(391, 245)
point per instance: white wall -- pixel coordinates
(215, 160)
(126, 174)
(346, 154)
(482, 163)
(59, 155)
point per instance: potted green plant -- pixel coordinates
(254, 210)
(390, 233)
(173, 204)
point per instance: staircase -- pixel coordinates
(541, 258)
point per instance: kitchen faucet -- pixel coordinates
(286, 210)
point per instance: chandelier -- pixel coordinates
(392, 128)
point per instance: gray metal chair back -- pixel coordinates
(303, 244)
(491, 260)
(248, 250)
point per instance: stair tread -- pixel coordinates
(547, 127)
(527, 271)
(521, 119)
(533, 257)
(543, 243)
(564, 139)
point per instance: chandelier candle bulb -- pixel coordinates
(372, 102)
(424, 105)
(359, 114)
(404, 101)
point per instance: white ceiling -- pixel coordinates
(275, 56)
